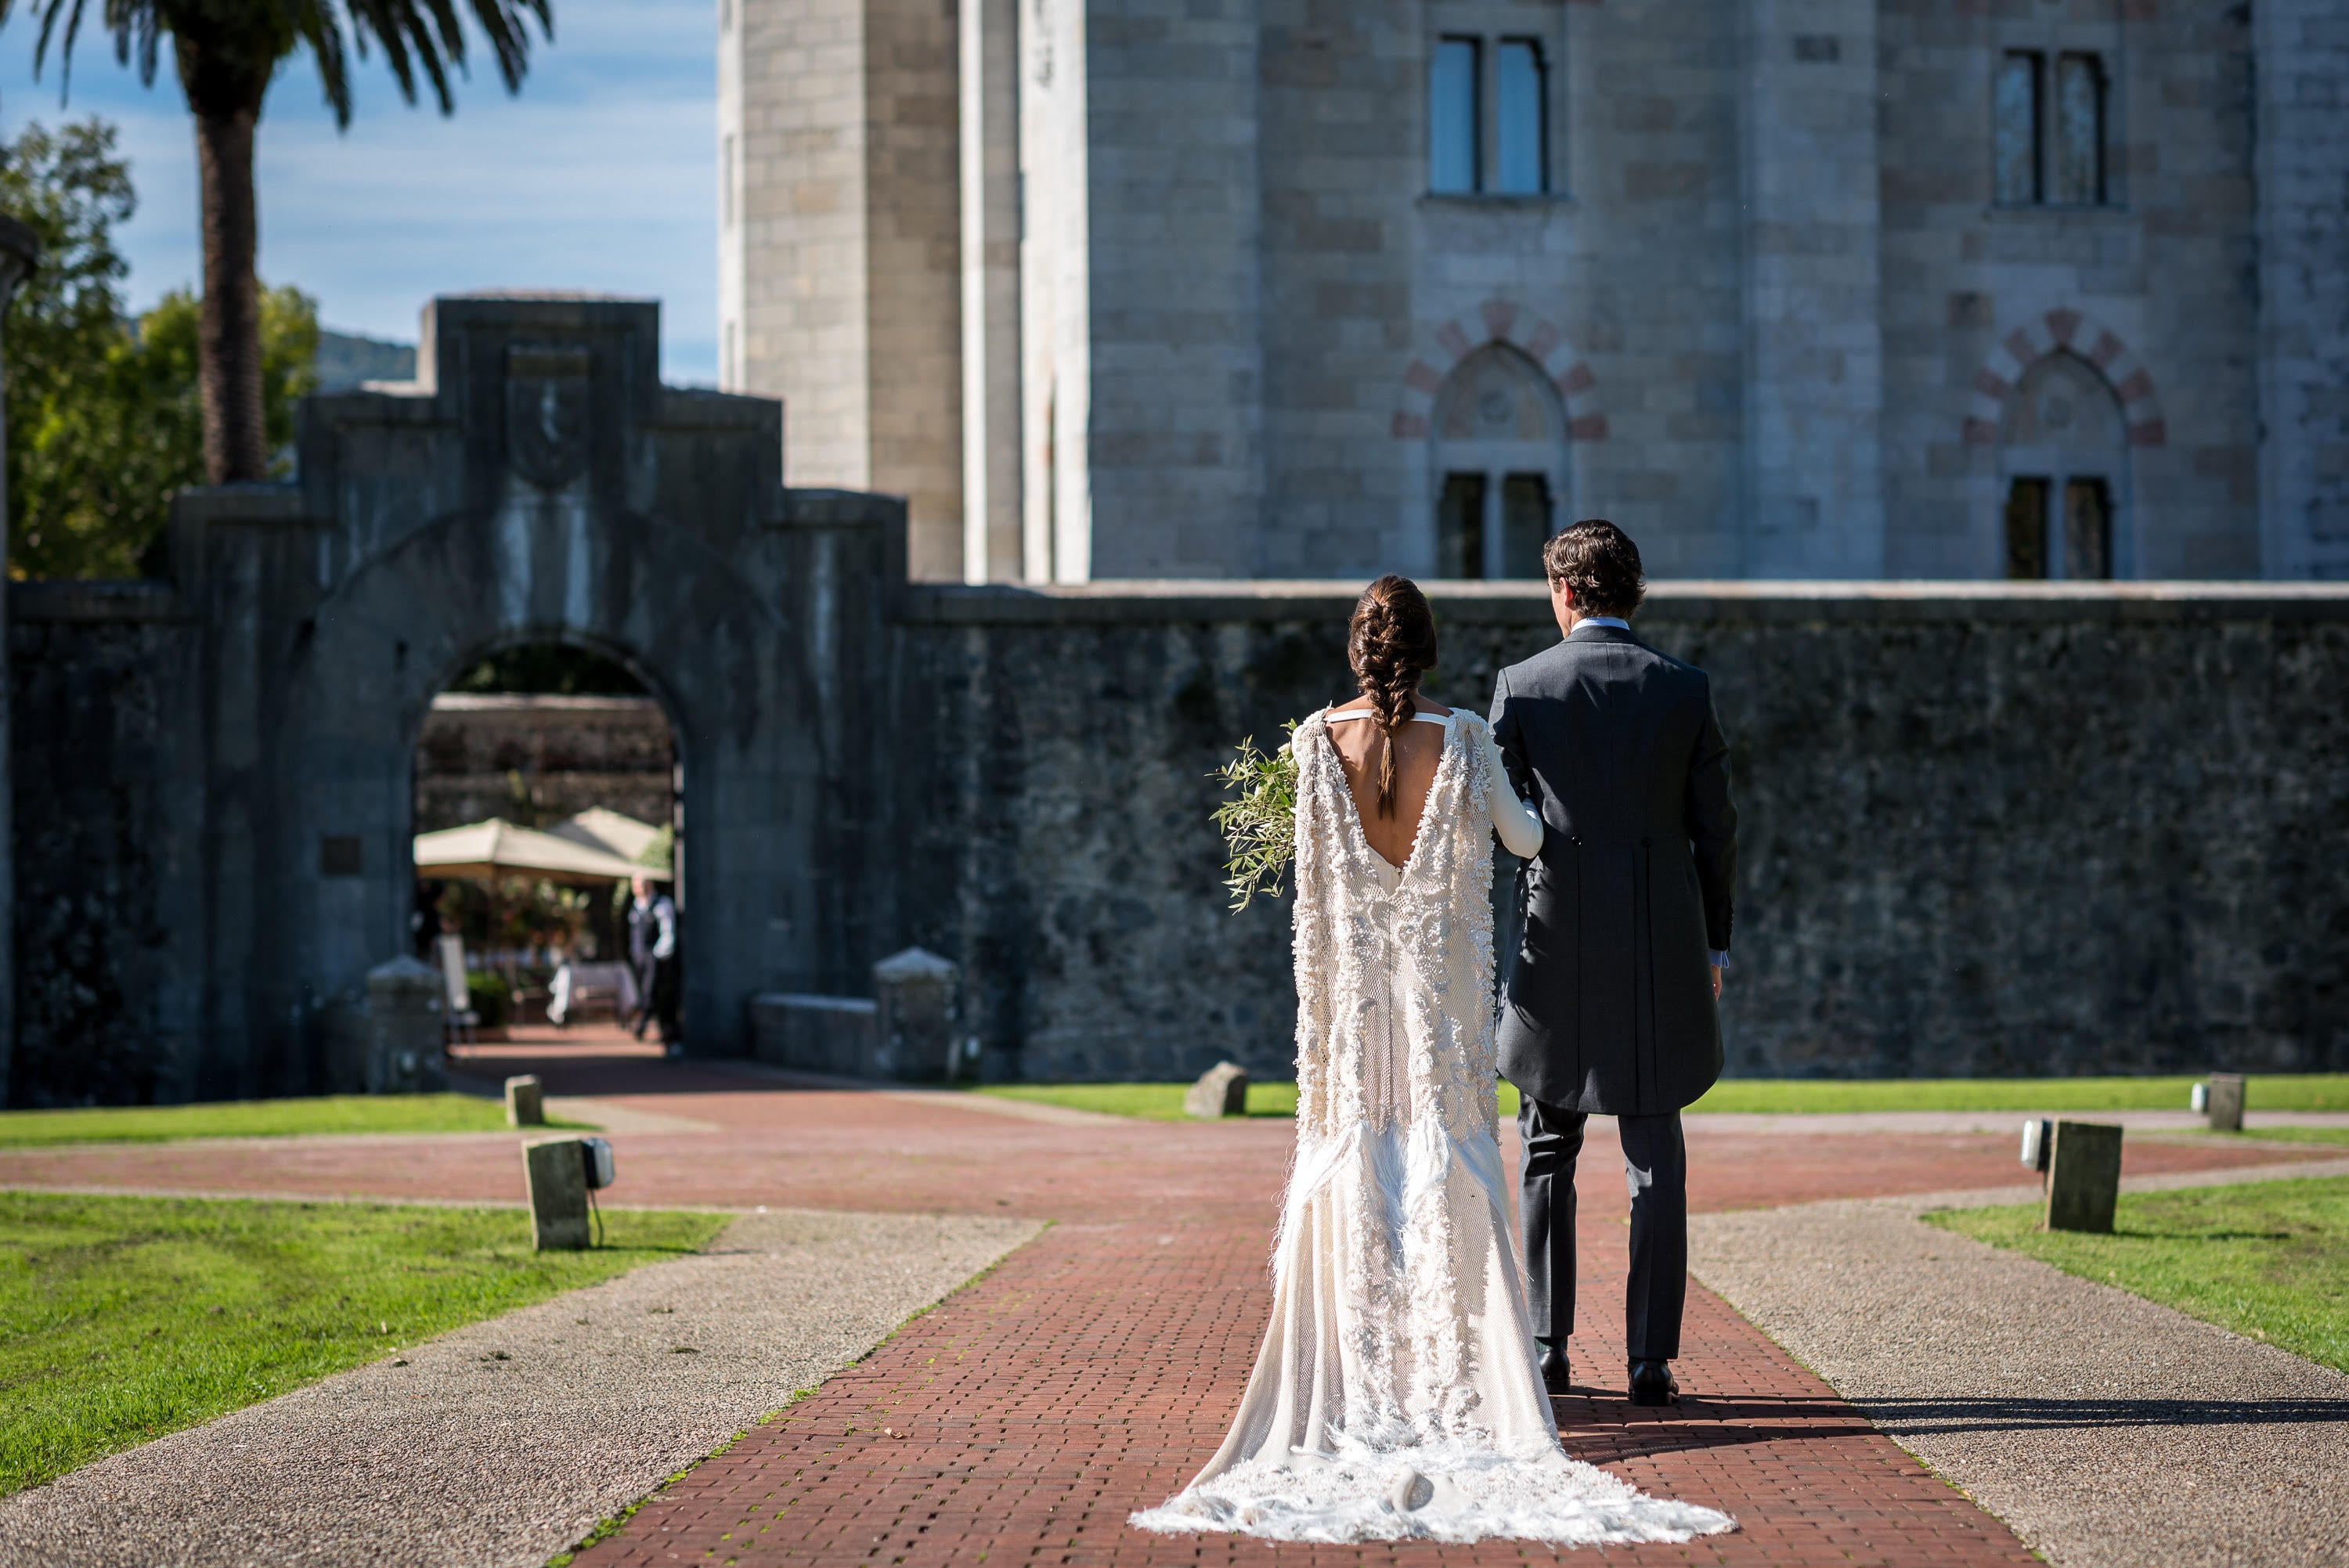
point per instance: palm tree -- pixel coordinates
(226, 51)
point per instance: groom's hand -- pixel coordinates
(1716, 980)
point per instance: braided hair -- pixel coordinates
(1390, 642)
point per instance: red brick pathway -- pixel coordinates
(1097, 1367)
(1091, 1373)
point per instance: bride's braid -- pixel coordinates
(1390, 641)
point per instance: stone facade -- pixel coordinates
(1986, 829)
(1781, 321)
(2301, 73)
(840, 271)
(535, 760)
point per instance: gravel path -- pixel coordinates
(504, 1442)
(2110, 1432)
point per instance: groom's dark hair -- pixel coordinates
(1600, 563)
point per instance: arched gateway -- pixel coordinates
(536, 483)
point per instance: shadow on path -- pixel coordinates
(1992, 1414)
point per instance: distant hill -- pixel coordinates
(344, 360)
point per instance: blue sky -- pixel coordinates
(600, 175)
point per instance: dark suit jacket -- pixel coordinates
(1609, 1008)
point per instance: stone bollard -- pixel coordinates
(557, 1175)
(914, 1025)
(403, 1027)
(2226, 1103)
(525, 1101)
(1222, 1090)
(2083, 1177)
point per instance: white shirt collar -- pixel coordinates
(1616, 622)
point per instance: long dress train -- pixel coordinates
(1398, 1394)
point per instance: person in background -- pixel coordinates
(652, 954)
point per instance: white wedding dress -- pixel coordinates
(1398, 1394)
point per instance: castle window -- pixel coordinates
(2063, 454)
(2048, 132)
(1520, 118)
(1460, 526)
(2014, 107)
(1500, 462)
(2079, 131)
(1490, 128)
(1452, 115)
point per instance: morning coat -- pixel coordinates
(1609, 1008)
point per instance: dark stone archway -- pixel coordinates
(537, 483)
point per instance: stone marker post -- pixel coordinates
(1222, 1090)
(2226, 1103)
(557, 1173)
(525, 1104)
(403, 1028)
(2083, 1177)
(914, 1025)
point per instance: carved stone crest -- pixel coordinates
(546, 413)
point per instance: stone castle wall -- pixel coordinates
(535, 760)
(1983, 831)
(106, 796)
(2004, 832)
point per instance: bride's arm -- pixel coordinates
(1518, 824)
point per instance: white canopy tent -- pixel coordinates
(483, 852)
(599, 827)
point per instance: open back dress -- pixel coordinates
(1398, 1394)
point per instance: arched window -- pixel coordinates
(1500, 458)
(2063, 457)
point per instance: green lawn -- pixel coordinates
(125, 1318)
(2281, 1092)
(2332, 1135)
(257, 1118)
(2306, 1091)
(2267, 1259)
(1151, 1101)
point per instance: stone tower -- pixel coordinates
(1790, 288)
(840, 246)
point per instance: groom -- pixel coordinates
(1610, 1008)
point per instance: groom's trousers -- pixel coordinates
(1655, 1166)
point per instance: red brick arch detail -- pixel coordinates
(2063, 330)
(1499, 320)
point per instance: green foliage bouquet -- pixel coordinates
(1259, 827)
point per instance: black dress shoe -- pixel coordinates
(1553, 1372)
(1653, 1383)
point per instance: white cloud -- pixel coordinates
(601, 175)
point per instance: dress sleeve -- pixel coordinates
(1518, 825)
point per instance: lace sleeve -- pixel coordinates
(1489, 775)
(1311, 938)
(1518, 823)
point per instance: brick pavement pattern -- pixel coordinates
(1093, 1371)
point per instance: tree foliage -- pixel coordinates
(103, 416)
(225, 53)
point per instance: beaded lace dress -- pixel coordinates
(1398, 1394)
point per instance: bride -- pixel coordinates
(1398, 1394)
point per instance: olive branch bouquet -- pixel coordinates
(1259, 827)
